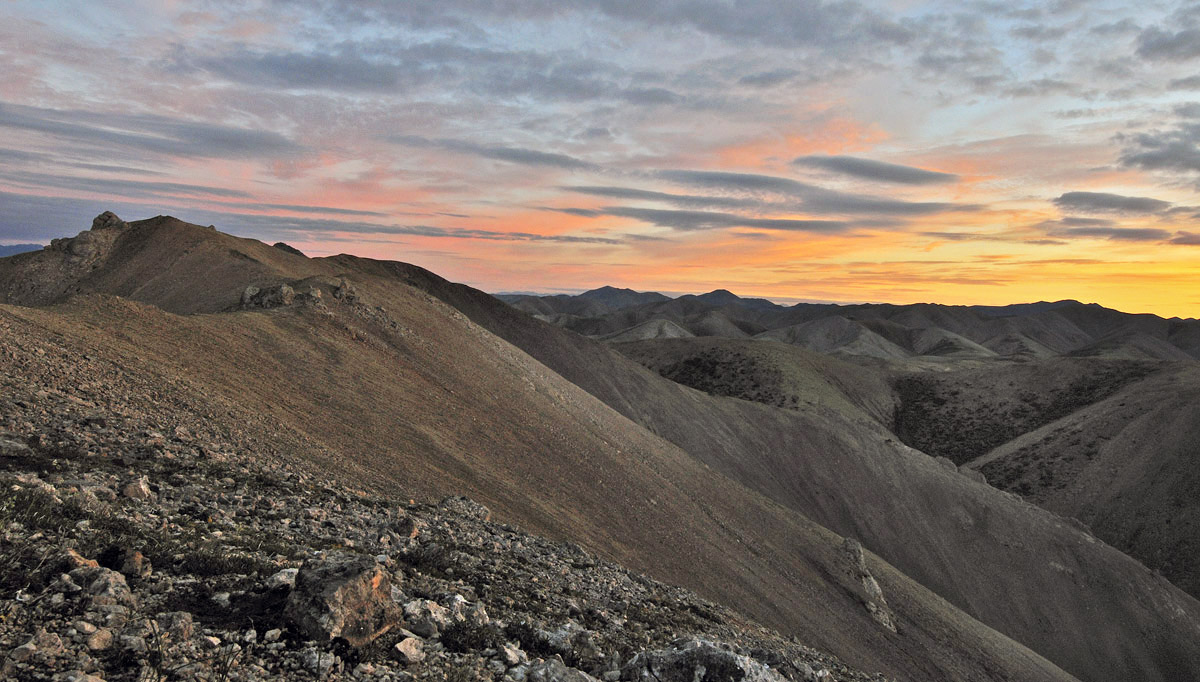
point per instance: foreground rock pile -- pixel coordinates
(139, 544)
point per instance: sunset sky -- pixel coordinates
(904, 151)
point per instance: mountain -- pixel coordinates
(383, 376)
(342, 369)
(14, 249)
(1016, 332)
(621, 298)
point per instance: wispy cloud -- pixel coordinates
(870, 169)
(150, 133)
(526, 157)
(1105, 202)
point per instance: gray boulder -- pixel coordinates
(344, 596)
(696, 660)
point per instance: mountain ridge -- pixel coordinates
(792, 470)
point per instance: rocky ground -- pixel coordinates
(147, 544)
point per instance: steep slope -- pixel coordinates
(376, 384)
(1025, 572)
(1125, 466)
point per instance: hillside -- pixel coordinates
(849, 475)
(376, 385)
(1124, 465)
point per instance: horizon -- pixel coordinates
(896, 152)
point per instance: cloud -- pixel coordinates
(1104, 202)
(150, 133)
(1186, 238)
(308, 71)
(768, 79)
(693, 200)
(331, 210)
(1121, 234)
(1157, 44)
(1171, 150)
(875, 170)
(711, 220)
(813, 199)
(1188, 83)
(525, 157)
(737, 182)
(120, 188)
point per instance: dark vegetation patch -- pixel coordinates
(964, 415)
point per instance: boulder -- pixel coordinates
(425, 618)
(285, 579)
(138, 489)
(108, 221)
(554, 670)
(270, 297)
(696, 660)
(345, 291)
(105, 586)
(409, 650)
(347, 597)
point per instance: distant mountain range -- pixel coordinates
(895, 333)
(14, 249)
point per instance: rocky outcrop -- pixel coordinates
(108, 221)
(863, 585)
(343, 597)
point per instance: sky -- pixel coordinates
(896, 151)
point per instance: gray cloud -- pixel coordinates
(875, 170)
(756, 22)
(768, 79)
(1104, 202)
(316, 71)
(813, 199)
(1123, 234)
(1188, 83)
(1177, 46)
(133, 189)
(1172, 150)
(737, 182)
(331, 210)
(711, 220)
(526, 157)
(155, 134)
(1186, 238)
(1123, 27)
(678, 199)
